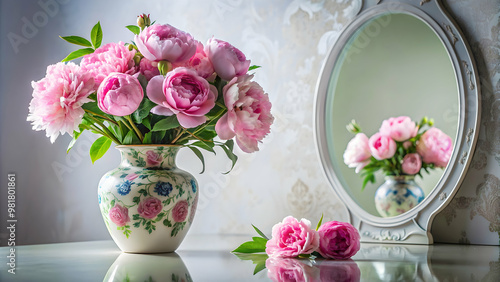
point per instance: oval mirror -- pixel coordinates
(392, 60)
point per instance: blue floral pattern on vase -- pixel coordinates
(397, 195)
(148, 196)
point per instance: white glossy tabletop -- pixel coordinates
(208, 258)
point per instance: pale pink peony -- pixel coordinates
(399, 128)
(338, 240)
(291, 238)
(119, 94)
(357, 154)
(382, 146)
(153, 158)
(411, 163)
(199, 62)
(288, 269)
(165, 43)
(435, 147)
(183, 93)
(149, 207)
(148, 68)
(249, 113)
(228, 61)
(180, 211)
(119, 215)
(57, 101)
(109, 58)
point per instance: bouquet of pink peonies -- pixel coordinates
(163, 88)
(400, 147)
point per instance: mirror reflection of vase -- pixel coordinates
(139, 267)
(397, 195)
(291, 269)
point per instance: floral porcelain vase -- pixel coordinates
(148, 203)
(397, 195)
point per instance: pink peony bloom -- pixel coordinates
(119, 215)
(249, 113)
(153, 158)
(180, 211)
(338, 240)
(291, 238)
(227, 60)
(346, 270)
(57, 101)
(199, 62)
(288, 269)
(382, 146)
(435, 147)
(183, 93)
(400, 128)
(411, 164)
(357, 154)
(112, 57)
(148, 68)
(149, 207)
(165, 43)
(119, 94)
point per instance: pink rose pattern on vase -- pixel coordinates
(144, 207)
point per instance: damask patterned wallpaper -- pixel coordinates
(289, 39)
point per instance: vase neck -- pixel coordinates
(161, 157)
(400, 178)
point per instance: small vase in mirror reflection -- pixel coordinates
(397, 195)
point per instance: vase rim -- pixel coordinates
(148, 145)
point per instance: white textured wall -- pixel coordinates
(57, 193)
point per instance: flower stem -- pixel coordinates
(137, 131)
(101, 116)
(220, 113)
(105, 131)
(112, 137)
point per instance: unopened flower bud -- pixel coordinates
(431, 122)
(137, 59)
(164, 67)
(143, 21)
(353, 127)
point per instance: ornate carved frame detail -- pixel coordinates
(413, 226)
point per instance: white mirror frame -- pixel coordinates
(412, 227)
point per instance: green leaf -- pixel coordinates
(167, 223)
(76, 134)
(254, 67)
(96, 35)
(157, 136)
(99, 148)
(166, 124)
(135, 29)
(206, 134)
(147, 138)
(260, 232)
(319, 222)
(77, 40)
(228, 149)
(131, 138)
(146, 123)
(258, 259)
(143, 110)
(77, 54)
(200, 156)
(258, 245)
(368, 178)
(209, 146)
(259, 266)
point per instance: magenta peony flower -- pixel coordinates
(338, 240)
(435, 147)
(227, 60)
(180, 211)
(149, 207)
(288, 269)
(57, 101)
(199, 62)
(112, 57)
(400, 128)
(249, 113)
(346, 270)
(381, 146)
(411, 164)
(119, 215)
(291, 238)
(148, 68)
(183, 93)
(357, 154)
(119, 94)
(165, 43)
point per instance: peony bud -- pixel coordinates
(353, 127)
(164, 67)
(143, 21)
